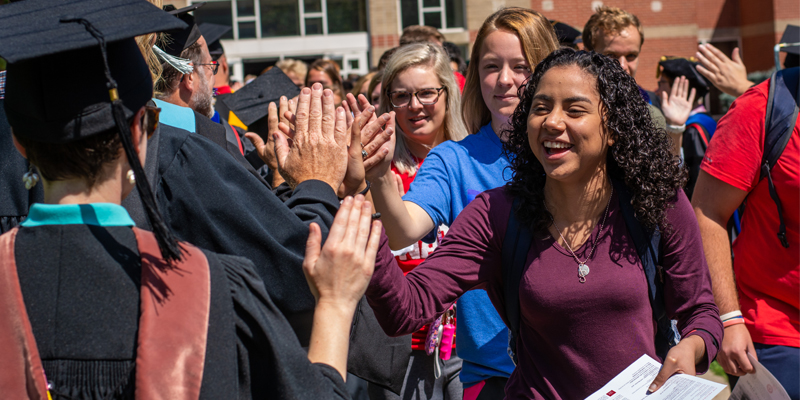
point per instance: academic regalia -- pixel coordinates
(89, 293)
(14, 198)
(80, 282)
(210, 200)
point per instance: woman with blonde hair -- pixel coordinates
(418, 85)
(508, 45)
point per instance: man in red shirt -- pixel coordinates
(763, 319)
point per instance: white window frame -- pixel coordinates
(254, 18)
(236, 19)
(319, 14)
(421, 16)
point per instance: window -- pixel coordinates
(346, 16)
(440, 14)
(252, 19)
(279, 18)
(216, 12)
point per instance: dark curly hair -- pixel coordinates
(640, 156)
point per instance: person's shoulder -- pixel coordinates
(498, 197)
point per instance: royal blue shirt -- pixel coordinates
(453, 174)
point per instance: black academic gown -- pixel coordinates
(81, 289)
(15, 200)
(213, 202)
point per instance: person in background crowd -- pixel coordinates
(509, 43)
(618, 34)
(420, 34)
(385, 58)
(676, 77)
(296, 70)
(97, 308)
(756, 290)
(456, 63)
(374, 89)
(362, 85)
(420, 89)
(580, 131)
(326, 73)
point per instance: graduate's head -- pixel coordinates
(191, 77)
(72, 128)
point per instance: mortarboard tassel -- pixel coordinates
(171, 250)
(183, 65)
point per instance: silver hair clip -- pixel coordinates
(183, 65)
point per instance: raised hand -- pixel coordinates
(318, 148)
(275, 116)
(340, 271)
(678, 104)
(369, 136)
(728, 74)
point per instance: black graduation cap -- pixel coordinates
(678, 66)
(75, 71)
(791, 35)
(213, 33)
(566, 34)
(180, 39)
(250, 102)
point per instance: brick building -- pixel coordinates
(356, 32)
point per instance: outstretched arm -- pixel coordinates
(405, 222)
(338, 274)
(714, 202)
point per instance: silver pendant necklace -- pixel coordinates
(583, 269)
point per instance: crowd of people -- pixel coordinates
(524, 224)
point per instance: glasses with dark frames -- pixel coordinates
(214, 64)
(426, 97)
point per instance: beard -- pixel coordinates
(201, 99)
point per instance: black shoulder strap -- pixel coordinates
(648, 247)
(781, 116)
(516, 244)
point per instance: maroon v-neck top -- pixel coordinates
(574, 337)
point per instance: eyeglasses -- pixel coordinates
(426, 97)
(215, 64)
(150, 123)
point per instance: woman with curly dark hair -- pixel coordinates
(585, 313)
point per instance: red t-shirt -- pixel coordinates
(414, 255)
(767, 274)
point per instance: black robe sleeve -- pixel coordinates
(211, 201)
(271, 361)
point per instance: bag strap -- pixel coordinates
(516, 245)
(21, 372)
(648, 246)
(701, 130)
(781, 117)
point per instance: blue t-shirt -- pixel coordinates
(453, 174)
